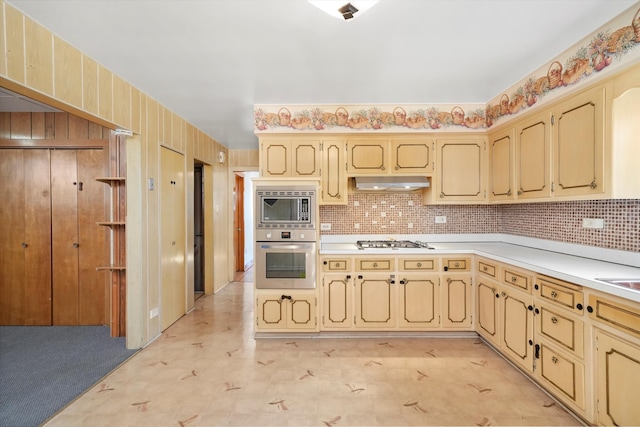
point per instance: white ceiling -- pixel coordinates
(210, 61)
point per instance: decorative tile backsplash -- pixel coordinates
(393, 213)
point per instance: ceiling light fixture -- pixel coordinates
(344, 11)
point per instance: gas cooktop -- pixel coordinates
(391, 244)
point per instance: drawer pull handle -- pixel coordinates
(554, 359)
(503, 293)
(513, 278)
(457, 264)
(375, 265)
(554, 294)
(419, 264)
(554, 320)
(485, 268)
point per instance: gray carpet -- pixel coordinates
(43, 368)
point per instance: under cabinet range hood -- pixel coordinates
(391, 183)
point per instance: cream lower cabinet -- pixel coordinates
(516, 327)
(487, 301)
(375, 301)
(457, 301)
(418, 301)
(616, 325)
(337, 301)
(618, 376)
(286, 311)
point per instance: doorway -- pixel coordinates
(243, 242)
(198, 230)
(238, 222)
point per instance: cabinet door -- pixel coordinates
(411, 156)
(334, 173)
(418, 301)
(305, 159)
(488, 294)
(460, 169)
(270, 312)
(618, 376)
(533, 162)
(456, 301)
(501, 162)
(275, 158)
(337, 301)
(368, 157)
(375, 301)
(25, 225)
(579, 144)
(301, 312)
(516, 325)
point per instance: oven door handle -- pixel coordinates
(294, 246)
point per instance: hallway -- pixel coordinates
(208, 370)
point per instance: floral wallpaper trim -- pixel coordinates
(592, 55)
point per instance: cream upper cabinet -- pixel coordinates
(333, 182)
(460, 169)
(578, 144)
(286, 158)
(533, 157)
(501, 165)
(412, 156)
(368, 157)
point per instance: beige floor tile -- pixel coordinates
(208, 370)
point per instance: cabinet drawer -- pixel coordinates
(336, 265)
(374, 264)
(517, 278)
(560, 293)
(487, 268)
(562, 329)
(456, 264)
(624, 317)
(418, 264)
(564, 373)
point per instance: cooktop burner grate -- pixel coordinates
(390, 244)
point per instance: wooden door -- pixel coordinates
(80, 293)
(172, 202)
(238, 222)
(25, 247)
(93, 286)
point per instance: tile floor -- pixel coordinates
(208, 370)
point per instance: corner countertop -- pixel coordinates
(578, 264)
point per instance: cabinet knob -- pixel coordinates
(325, 263)
(554, 359)
(554, 320)
(484, 268)
(554, 294)
(536, 287)
(513, 279)
(419, 264)
(590, 309)
(579, 306)
(530, 307)
(375, 265)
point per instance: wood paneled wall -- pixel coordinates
(60, 126)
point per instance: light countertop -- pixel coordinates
(574, 263)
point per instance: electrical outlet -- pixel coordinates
(153, 313)
(592, 223)
(325, 226)
(441, 220)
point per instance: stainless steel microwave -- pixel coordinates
(285, 207)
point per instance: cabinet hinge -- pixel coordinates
(598, 405)
(553, 119)
(321, 146)
(552, 187)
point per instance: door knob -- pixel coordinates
(76, 245)
(24, 245)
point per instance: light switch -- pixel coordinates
(152, 184)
